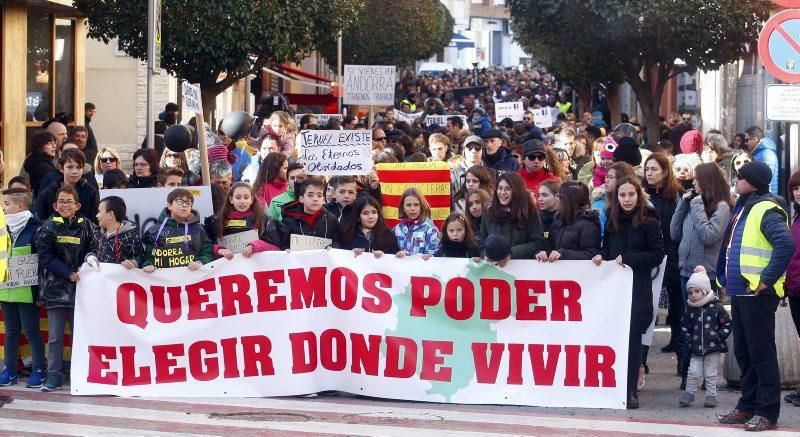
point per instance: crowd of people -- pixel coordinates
(576, 191)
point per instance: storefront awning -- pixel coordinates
(461, 42)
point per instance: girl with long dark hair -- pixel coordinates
(364, 229)
(575, 232)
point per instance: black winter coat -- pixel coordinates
(62, 246)
(124, 244)
(58, 175)
(144, 182)
(642, 249)
(578, 241)
(706, 328)
(359, 241)
(450, 249)
(294, 221)
(37, 165)
(547, 220)
(87, 195)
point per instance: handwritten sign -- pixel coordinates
(191, 98)
(369, 84)
(441, 120)
(171, 256)
(238, 242)
(542, 118)
(23, 271)
(407, 117)
(512, 110)
(321, 118)
(336, 152)
(307, 242)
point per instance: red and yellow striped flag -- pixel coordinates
(431, 178)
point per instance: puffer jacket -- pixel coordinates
(578, 241)
(706, 327)
(700, 236)
(792, 283)
(767, 152)
(37, 165)
(360, 241)
(294, 220)
(88, 196)
(501, 161)
(419, 237)
(173, 234)
(642, 249)
(525, 242)
(451, 249)
(124, 244)
(24, 244)
(62, 246)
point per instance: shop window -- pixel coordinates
(38, 100)
(64, 57)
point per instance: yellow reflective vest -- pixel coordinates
(4, 244)
(756, 250)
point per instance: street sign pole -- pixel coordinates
(153, 63)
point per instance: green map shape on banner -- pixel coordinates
(437, 325)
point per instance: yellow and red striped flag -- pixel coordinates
(431, 178)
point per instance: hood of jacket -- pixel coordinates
(590, 215)
(765, 144)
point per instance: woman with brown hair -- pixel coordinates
(664, 191)
(633, 238)
(575, 232)
(477, 177)
(513, 215)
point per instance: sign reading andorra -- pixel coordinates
(278, 324)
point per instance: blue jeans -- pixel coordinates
(19, 318)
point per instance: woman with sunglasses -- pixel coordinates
(106, 160)
(535, 170)
(170, 159)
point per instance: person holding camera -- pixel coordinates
(699, 224)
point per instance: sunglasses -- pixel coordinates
(107, 160)
(173, 155)
(380, 139)
(535, 157)
(473, 147)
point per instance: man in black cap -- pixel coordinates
(496, 154)
(755, 253)
(473, 155)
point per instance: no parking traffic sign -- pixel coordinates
(779, 45)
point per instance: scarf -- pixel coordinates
(16, 222)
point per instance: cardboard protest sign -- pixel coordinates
(441, 120)
(237, 242)
(369, 84)
(321, 118)
(431, 178)
(23, 271)
(191, 98)
(542, 118)
(171, 256)
(336, 152)
(512, 110)
(145, 205)
(284, 324)
(308, 242)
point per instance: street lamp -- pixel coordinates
(475, 66)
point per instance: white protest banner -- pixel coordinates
(542, 118)
(409, 118)
(191, 98)
(512, 110)
(238, 242)
(144, 206)
(23, 271)
(441, 120)
(336, 152)
(658, 280)
(308, 242)
(321, 118)
(369, 84)
(284, 324)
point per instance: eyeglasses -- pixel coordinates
(687, 119)
(65, 202)
(107, 160)
(536, 157)
(140, 164)
(181, 202)
(526, 119)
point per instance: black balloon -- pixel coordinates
(627, 129)
(178, 138)
(237, 124)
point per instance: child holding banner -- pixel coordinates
(240, 213)
(416, 233)
(180, 239)
(364, 230)
(19, 311)
(458, 239)
(306, 217)
(117, 241)
(62, 244)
